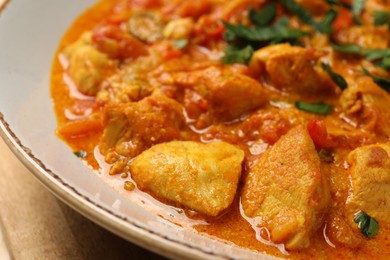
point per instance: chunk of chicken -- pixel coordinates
(341, 231)
(289, 68)
(286, 192)
(228, 94)
(366, 36)
(87, 66)
(370, 178)
(123, 90)
(367, 105)
(202, 177)
(131, 128)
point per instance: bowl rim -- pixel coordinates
(100, 213)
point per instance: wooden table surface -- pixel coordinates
(36, 225)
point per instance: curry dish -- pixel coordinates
(264, 124)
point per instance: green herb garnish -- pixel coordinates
(369, 54)
(357, 8)
(336, 2)
(349, 49)
(81, 154)
(252, 37)
(316, 108)
(384, 63)
(367, 225)
(337, 78)
(299, 11)
(324, 26)
(265, 16)
(381, 17)
(277, 31)
(235, 55)
(380, 81)
(180, 44)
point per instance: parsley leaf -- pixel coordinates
(299, 11)
(316, 108)
(357, 8)
(277, 31)
(384, 63)
(337, 78)
(324, 26)
(81, 154)
(348, 48)
(367, 224)
(264, 16)
(381, 17)
(235, 55)
(180, 44)
(369, 54)
(380, 81)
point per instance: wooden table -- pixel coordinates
(36, 225)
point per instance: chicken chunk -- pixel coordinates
(366, 105)
(289, 68)
(228, 94)
(286, 192)
(131, 128)
(370, 178)
(201, 177)
(87, 66)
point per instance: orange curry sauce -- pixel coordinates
(80, 123)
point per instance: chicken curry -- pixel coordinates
(261, 123)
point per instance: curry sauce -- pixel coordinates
(299, 88)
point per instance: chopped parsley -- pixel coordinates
(81, 154)
(244, 40)
(234, 55)
(384, 63)
(381, 17)
(381, 56)
(265, 16)
(180, 44)
(280, 30)
(367, 224)
(337, 78)
(316, 108)
(357, 8)
(323, 26)
(380, 81)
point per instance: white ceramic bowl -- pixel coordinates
(29, 34)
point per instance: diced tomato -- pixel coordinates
(171, 54)
(116, 43)
(319, 134)
(80, 128)
(344, 19)
(210, 28)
